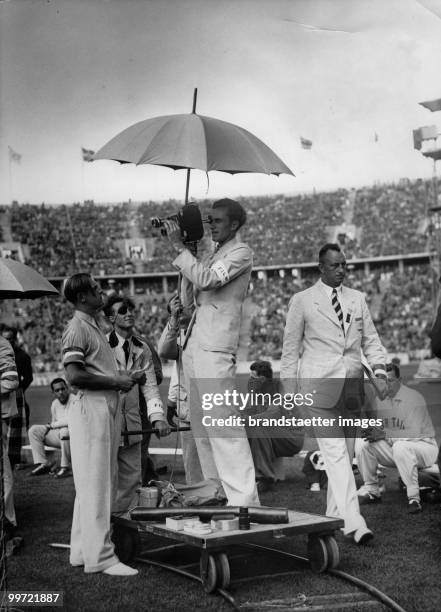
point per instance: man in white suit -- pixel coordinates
(218, 283)
(327, 327)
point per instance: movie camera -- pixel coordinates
(189, 220)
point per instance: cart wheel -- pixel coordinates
(126, 543)
(317, 554)
(333, 552)
(223, 571)
(210, 580)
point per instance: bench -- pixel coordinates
(26, 451)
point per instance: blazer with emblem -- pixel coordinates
(218, 285)
(315, 347)
(140, 358)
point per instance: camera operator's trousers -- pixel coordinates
(224, 451)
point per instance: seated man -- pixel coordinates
(406, 441)
(54, 434)
(269, 443)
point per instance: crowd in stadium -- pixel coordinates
(400, 303)
(282, 230)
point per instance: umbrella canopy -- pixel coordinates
(20, 281)
(193, 141)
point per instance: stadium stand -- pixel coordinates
(283, 231)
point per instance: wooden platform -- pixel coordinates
(299, 523)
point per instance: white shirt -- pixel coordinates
(59, 412)
(119, 351)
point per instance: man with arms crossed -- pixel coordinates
(327, 327)
(94, 426)
(219, 282)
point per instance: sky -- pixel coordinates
(346, 74)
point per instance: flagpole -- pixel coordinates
(72, 236)
(82, 179)
(11, 194)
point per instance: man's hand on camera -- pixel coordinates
(175, 307)
(163, 428)
(174, 234)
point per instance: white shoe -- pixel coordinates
(315, 487)
(119, 569)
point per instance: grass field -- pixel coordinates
(404, 559)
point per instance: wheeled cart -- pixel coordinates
(214, 565)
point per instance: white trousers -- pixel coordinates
(338, 452)
(342, 500)
(192, 466)
(95, 431)
(39, 436)
(8, 480)
(406, 455)
(224, 452)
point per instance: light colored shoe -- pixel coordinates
(362, 536)
(120, 569)
(315, 487)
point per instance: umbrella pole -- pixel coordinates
(187, 187)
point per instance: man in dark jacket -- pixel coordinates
(25, 378)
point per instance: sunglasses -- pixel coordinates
(124, 308)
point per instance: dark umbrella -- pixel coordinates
(20, 281)
(192, 141)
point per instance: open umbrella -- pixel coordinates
(192, 141)
(20, 281)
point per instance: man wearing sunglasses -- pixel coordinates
(133, 355)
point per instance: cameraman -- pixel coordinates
(218, 285)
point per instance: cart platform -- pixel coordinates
(323, 551)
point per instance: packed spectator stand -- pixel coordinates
(284, 232)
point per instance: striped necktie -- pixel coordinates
(337, 308)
